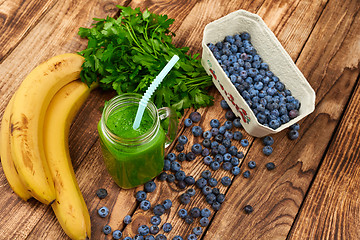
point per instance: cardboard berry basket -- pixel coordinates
(271, 51)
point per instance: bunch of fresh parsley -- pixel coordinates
(127, 53)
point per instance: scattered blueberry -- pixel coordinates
(139, 237)
(106, 229)
(170, 178)
(160, 237)
(117, 234)
(212, 182)
(210, 198)
(216, 206)
(226, 181)
(143, 230)
(167, 204)
(206, 190)
(191, 192)
(206, 174)
(159, 210)
(267, 150)
(220, 198)
(252, 164)
(149, 237)
(127, 219)
(196, 148)
(268, 141)
(224, 104)
(150, 186)
(196, 131)
(293, 134)
(181, 157)
(195, 117)
(244, 142)
(200, 183)
(179, 147)
(204, 221)
(192, 237)
(230, 116)
(128, 238)
(175, 166)
(188, 122)
(270, 166)
(162, 176)
(185, 198)
(195, 212)
(214, 165)
(101, 193)
(177, 237)
(103, 212)
(155, 220)
(189, 219)
(167, 227)
(214, 123)
(235, 170)
(246, 174)
(248, 209)
(197, 231)
(190, 156)
(171, 156)
(182, 213)
(183, 139)
(180, 175)
(145, 205)
(295, 126)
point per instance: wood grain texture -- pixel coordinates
(17, 18)
(277, 196)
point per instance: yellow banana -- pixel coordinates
(11, 174)
(69, 207)
(28, 112)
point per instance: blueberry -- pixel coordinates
(103, 212)
(240, 155)
(210, 198)
(196, 148)
(293, 113)
(219, 158)
(220, 198)
(237, 123)
(222, 130)
(219, 138)
(128, 238)
(216, 206)
(192, 237)
(117, 234)
(246, 174)
(245, 36)
(200, 183)
(101, 193)
(248, 209)
(185, 198)
(252, 164)
(175, 166)
(214, 165)
(106, 229)
(197, 231)
(214, 123)
(179, 147)
(155, 220)
(206, 174)
(222, 149)
(154, 229)
(182, 213)
(150, 186)
(189, 219)
(293, 134)
(237, 135)
(159, 210)
(167, 204)
(270, 166)
(214, 144)
(139, 237)
(212, 182)
(183, 139)
(226, 181)
(205, 213)
(267, 150)
(160, 237)
(216, 191)
(145, 205)
(214, 131)
(230, 116)
(191, 192)
(170, 178)
(206, 190)
(167, 227)
(181, 157)
(235, 170)
(244, 142)
(295, 126)
(204, 221)
(234, 161)
(143, 230)
(207, 134)
(162, 176)
(195, 117)
(167, 164)
(227, 166)
(274, 124)
(233, 150)
(181, 184)
(268, 141)
(180, 175)
(188, 122)
(206, 143)
(127, 219)
(177, 237)
(171, 157)
(189, 180)
(224, 104)
(195, 212)
(205, 152)
(196, 131)
(208, 160)
(190, 156)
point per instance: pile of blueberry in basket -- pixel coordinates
(272, 104)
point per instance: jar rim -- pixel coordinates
(125, 99)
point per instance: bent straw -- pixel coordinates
(151, 89)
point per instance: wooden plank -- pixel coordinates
(17, 18)
(277, 196)
(54, 34)
(334, 196)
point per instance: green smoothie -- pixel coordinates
(132, 163)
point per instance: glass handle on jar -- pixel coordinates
(168, 114)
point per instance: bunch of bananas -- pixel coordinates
(34, 140)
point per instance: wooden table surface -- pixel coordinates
(314, 192)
